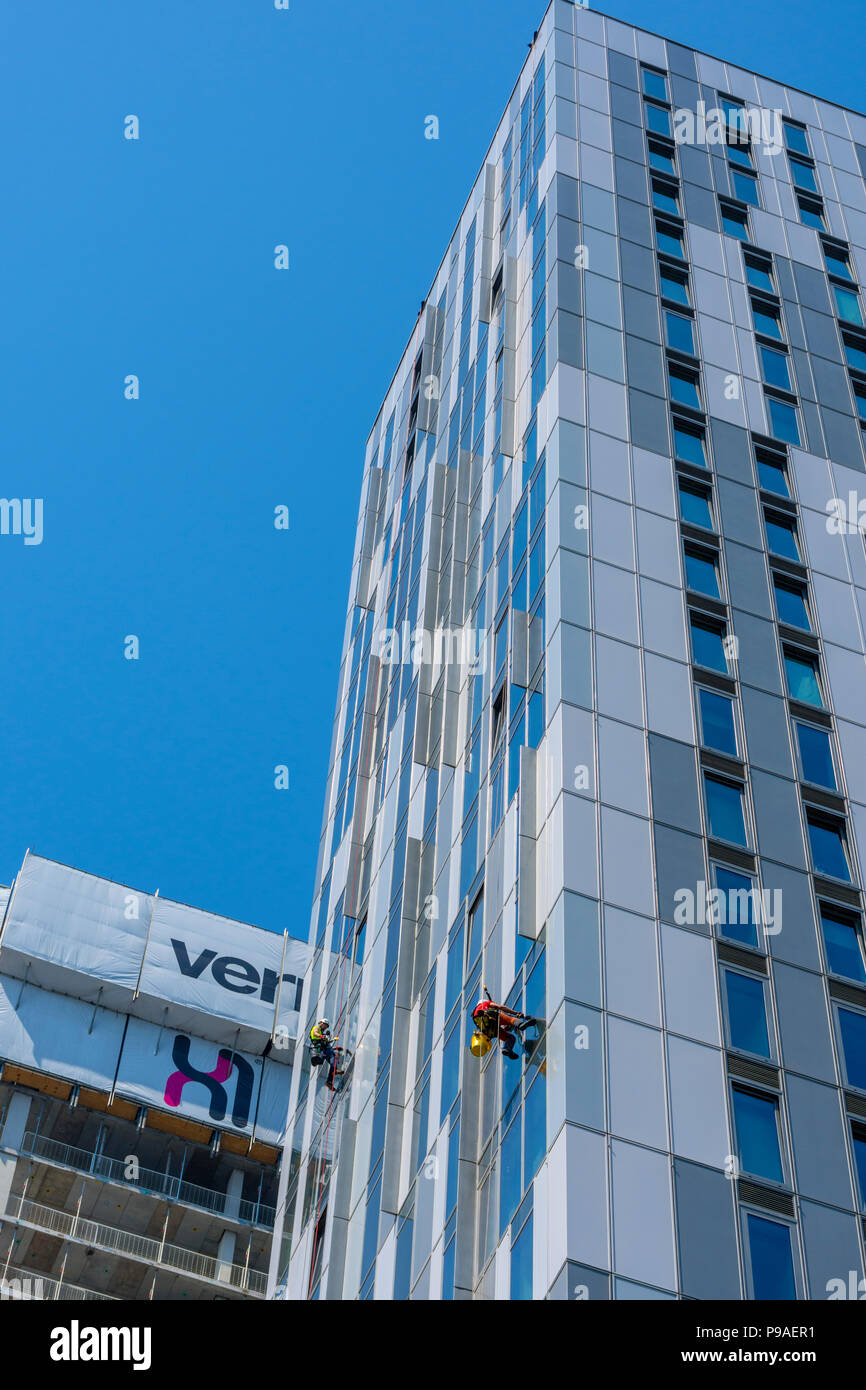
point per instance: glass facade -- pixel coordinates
(600, 744)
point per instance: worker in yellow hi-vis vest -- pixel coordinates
(323, 1049)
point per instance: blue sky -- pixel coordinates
(258, 388)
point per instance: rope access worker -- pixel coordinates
(495, 1021)
(322, 1047)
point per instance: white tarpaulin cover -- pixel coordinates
(273, 1103)
(136, 951)
(56, 1034)
(217, 966)
(200, 1080)
(74, 920)
(206, 1081)
(165, 1004)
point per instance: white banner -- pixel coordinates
(56, 1034)
(202, 1081)
(273, 1103)
(221, 967)
(77, 921)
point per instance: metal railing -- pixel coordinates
(171, 1187)
(72, 1227)
(23, 1285)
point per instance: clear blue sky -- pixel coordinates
(258, 388)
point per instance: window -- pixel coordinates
(781, 536)
(448, 1267)
(771, 1262)
(661, 157)
(536, 567)
(747, 1013)
(848, 305)
(708, 644)
(655, 84)
(403, 1259)
(702, 572)
(453, 1168)
(759, 274)
(796, 138)
(843, 943)
(673, 285)
(803, 175)
(745, 187)
(521, 1263)
(775, 367)
(735, 916)
(519, 536)
(827, 841)
(725, 809)
(500, 646)
(670, 240)
(666, 199)
(718, 729)
(860, 398)
(772, 472)
(695, 505)
(454, 974)
(510, 1185)
(475, 930)
(853, 1030)
(679, 332)
(855, 351)
(791, 603)
(371, 1225)
(858, 1137)
(811, 212)
(836, 258)
(766, 319)
(658, 119)
(451, 1051)
(783, 420)
(684, 386)
(515, 743)
(816, 755)
(689, 443)
(735, 221)
(801, 672)
(533, 1007)
(735, 113)
(756, 1117)
(469, 853)
(502, 574)
(741, 155)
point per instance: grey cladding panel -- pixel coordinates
(706, 1228)
(674, 783)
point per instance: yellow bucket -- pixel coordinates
(479, 1045)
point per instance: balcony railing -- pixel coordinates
(172, 1188)
(155, 1252)
(24, 1285)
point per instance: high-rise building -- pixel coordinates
(145, 1065)
(600, 742)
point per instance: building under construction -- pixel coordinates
(146, 1053)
